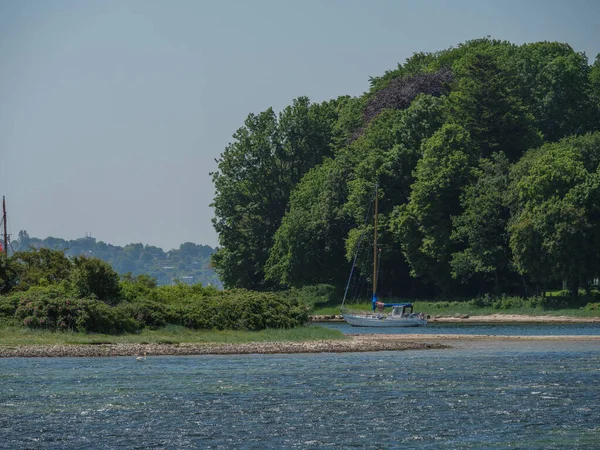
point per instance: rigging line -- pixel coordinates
(357, 249)
(360, 280)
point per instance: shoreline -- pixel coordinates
(353, 343)
(371, 343)
(491, 318)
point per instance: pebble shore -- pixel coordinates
(352, 344)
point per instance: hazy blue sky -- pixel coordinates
(112, 112)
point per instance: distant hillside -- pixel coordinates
(189, 264)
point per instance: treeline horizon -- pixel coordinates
(189, 263)
(487, 161)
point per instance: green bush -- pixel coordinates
(180, 293)
(509, 303)
(94, 277)
(45, 309)
(484, 301)
(139, 287)
(240, 309)
(8, 306)
(56, 308)
(147, 313)
(312, 295)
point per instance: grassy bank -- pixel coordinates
(170, 334)
(450, 308)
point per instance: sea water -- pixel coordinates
(490, 329)
(512, 395)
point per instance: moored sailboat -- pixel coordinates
(401, 314)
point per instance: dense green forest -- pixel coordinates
(487, 158)
(190, 263)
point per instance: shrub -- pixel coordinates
(45, 310)
(94, 277)
(180, 292)
(8, 306)
(509, 303)
(311, 295)
(484, 301)
(55, 308)
(147, 313)
(139, 287)
(240, 309)
(43, 266)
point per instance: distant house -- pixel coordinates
(187, 280)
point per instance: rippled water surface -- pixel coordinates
(545, 397)
(504, 329)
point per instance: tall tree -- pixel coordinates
(554, 81)
(309, 245)
(424, 224)
(555, 210)
(481, 227)
(256, 175)
(485, 103)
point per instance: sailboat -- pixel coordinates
(400, 315)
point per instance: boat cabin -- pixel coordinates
(402, 309)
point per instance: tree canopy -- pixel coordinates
(486, 159)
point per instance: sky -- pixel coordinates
(112, 112)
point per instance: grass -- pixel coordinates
(171, 334)
(450, 308)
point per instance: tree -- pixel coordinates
(488, 107)
(33, 267)
(424, 224)
(94, 277)
(8, 274)
(556, 83)
(387, 154)
(555, 210)
(309, 245)
(256, 175)
(23, 239)
(481, 227)
(595, 91)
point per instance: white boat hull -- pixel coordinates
(385, 320)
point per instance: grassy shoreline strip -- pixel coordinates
(168, 335)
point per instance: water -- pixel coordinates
(504, 329)
(544, 396)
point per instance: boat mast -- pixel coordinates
(4, 224)
(375, 247)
